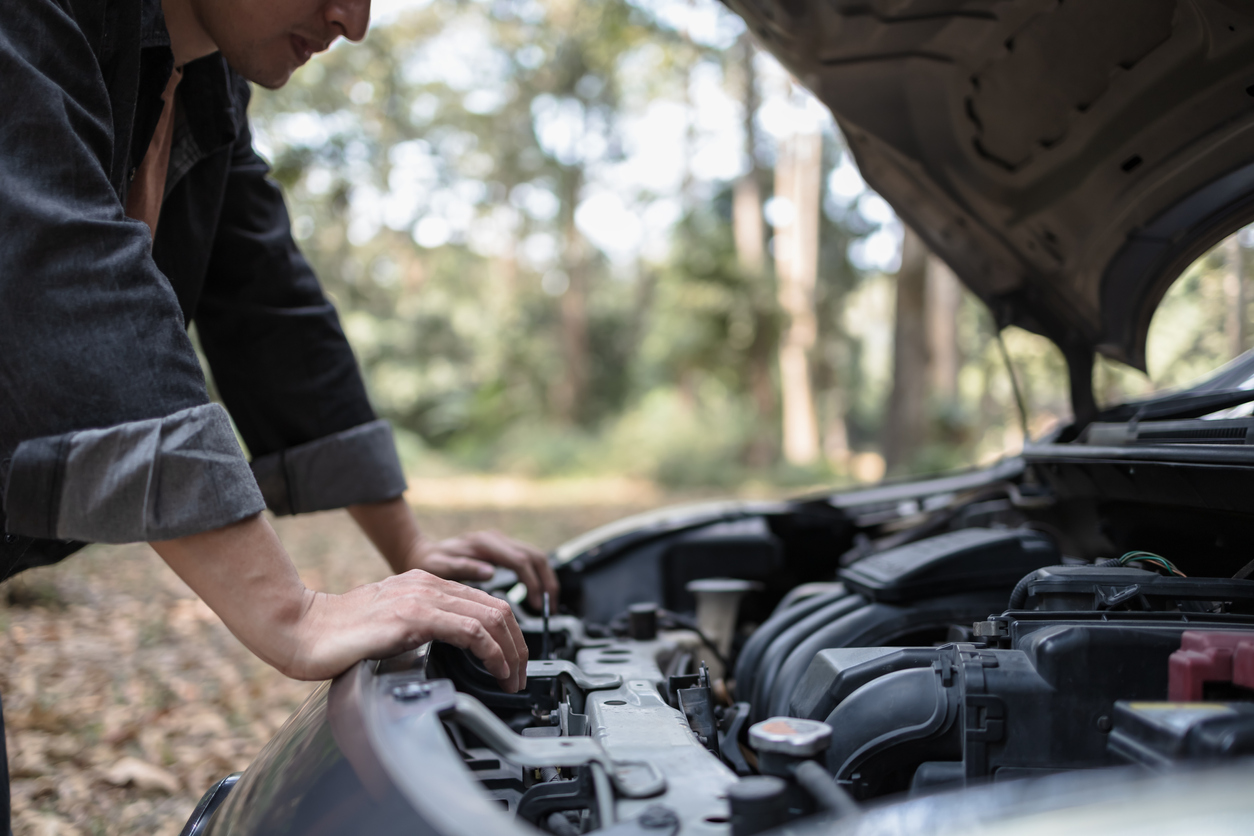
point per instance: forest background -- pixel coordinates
(589, 237)
(594, 256)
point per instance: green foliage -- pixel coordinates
(459, 340)
(711, 317)
(434, 174)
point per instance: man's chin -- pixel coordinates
(269, 74)
(271, 83)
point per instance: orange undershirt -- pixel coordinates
(143, 201)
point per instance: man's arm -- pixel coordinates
(243, 573)
(393, 529)
(105, 423)
(285, 371)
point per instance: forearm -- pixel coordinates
(392, 528)
(245, 576)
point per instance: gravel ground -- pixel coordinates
(125, 697)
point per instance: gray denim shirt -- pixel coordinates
(106, 430)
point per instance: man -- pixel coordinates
(131, 204)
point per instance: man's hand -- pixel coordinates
(400, 613)
(243, 573)
(472, 556)
(392, 528)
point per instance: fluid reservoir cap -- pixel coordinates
(756, 788)
(790, 736)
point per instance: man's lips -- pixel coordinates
(303, 48)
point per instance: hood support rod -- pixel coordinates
(1080, 360)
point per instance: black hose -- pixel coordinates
(1019, 595)
(823, 788)
(559, 825)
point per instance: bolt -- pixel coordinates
(407, 691)
(1103, 723)
(658, 817)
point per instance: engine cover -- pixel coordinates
(915, 718)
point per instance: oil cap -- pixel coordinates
(642, 622)
(791, 737)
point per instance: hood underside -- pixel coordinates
(1067, 159)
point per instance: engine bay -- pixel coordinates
(1065, 633)
(733, 668)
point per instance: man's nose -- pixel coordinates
(350, 17)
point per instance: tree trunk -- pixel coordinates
(1234, 288)
(944, 297)
(749, 233)
(906, 425)
(570, 392)
(797, 180)
(747, 224)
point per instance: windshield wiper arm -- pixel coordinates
(1182, 406)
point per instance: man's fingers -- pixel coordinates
(514, 556)
(469, 633)
(460, 568)
(488, 636)
(511, 626)
(539, 562)
(529, 563)
(545, 570)
(498, 619)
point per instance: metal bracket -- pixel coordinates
(549, 668)
(633, 779)
(542, 799)
(992, 629)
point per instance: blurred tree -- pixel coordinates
(438, 170)
(905, 431)
(749, 232)
(943, 296)
(798, 174)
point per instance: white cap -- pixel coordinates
(790, 736)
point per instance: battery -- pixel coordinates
(1162, 734)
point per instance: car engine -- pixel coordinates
(955, 650)
(729, 669)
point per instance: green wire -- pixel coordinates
(1150, 557)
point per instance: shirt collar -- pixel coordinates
(212, 113)
(152, 28)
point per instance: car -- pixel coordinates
(1062, 641)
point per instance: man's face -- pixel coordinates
(266, 40)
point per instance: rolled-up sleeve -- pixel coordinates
(105, 423)
(280, 359)
(356, 465)
(155, 479)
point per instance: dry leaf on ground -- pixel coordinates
(141, 775)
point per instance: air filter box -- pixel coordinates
(958, 561)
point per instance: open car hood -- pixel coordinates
(1067, 159)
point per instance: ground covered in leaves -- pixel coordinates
(125, 697)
